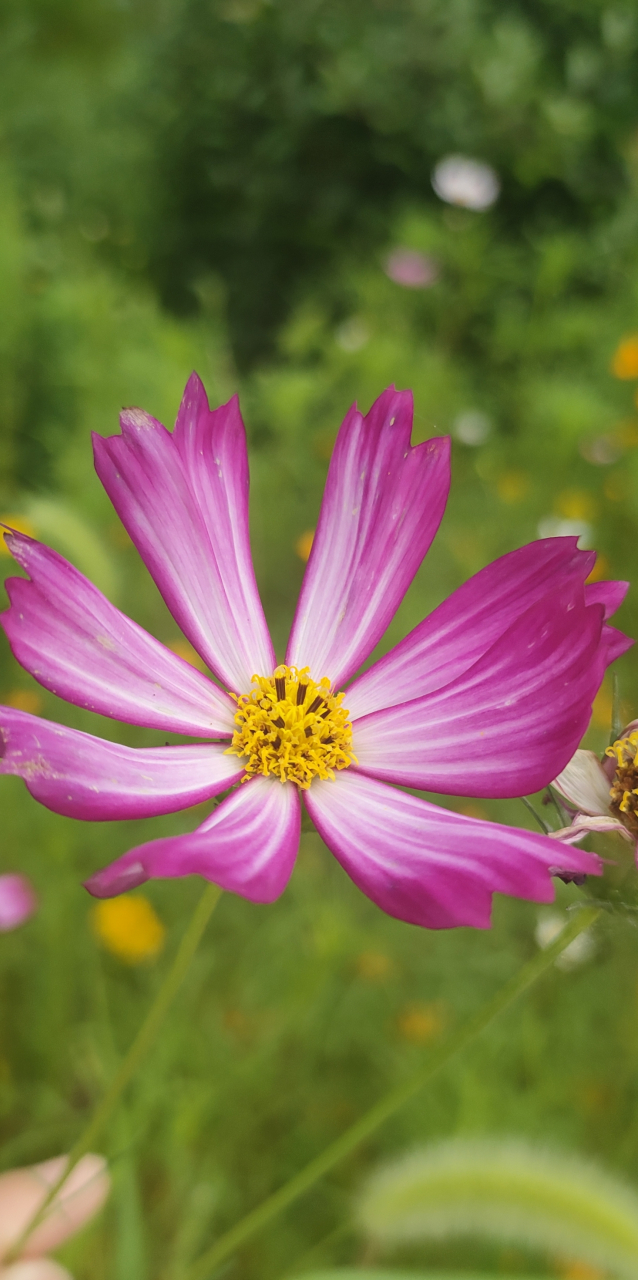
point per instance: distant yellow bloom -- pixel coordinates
(24, 700)
(422, 1023)
(16, 522)
(601, 569)
(303, 545)
(512, 486)
(601, 709)
(624, 362)
(572, 1269)
(373, 966)
(128, 927)
(576, 504)
(186, 651)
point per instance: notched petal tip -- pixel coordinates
(111, 882)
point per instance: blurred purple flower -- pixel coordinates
(410, 268)
(487, 697)
(469, 183)
(17, 901)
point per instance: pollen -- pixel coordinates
(624, 788)
(292, 728)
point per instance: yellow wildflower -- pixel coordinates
(128, 927)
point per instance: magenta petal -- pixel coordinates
(247, 846)
(507, 726)
(184, 500)
(472, 619)
(85, 777)
(426, 865)
(69, 636)
(381, 508)
(609, 594)
(615, 643)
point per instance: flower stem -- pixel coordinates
(382, 1110)
(137, 1052)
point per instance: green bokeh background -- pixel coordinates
(217, 186)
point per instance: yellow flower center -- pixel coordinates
(292, 728)
(624, 788)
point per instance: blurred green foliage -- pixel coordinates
(218, 186)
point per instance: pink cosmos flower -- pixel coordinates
(488, 696)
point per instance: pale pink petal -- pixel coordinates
(248, 846)
(22, 1191)
(85, 777)
(583, 825)
(76, 643)
(184, 500)
(507, 726)
(35, 1269)
(381, 508)
(472, 619)
(426, 865)
(584, 784)
(17, 901)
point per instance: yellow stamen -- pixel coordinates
(292, 728)
(623, 791)
(624, 749)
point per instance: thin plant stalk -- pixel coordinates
(386, 1106)
(137, 1052)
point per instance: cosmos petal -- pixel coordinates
(609, 594)
(76, 643)
(507, 726)
(184, 500)
(615, 643)
(426, 865)
(584, 784)
(248, 846)
(381, 508)
(583, 825)
(468, 622)
(85, 777)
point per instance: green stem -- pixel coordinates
(382, 1110)
(137, 1052)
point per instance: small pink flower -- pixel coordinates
(17, 901)
(411, 269)
(487, 697)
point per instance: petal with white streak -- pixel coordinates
(426, 865)
(184, 500)
(508, 725)
(247, 846)
(76, 643)
(381, 508)
(85, 777)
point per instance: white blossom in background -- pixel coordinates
(469, 183)
(410, 268)
(548, 927)
(557, 527)
(352, 335)
(472, 427)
